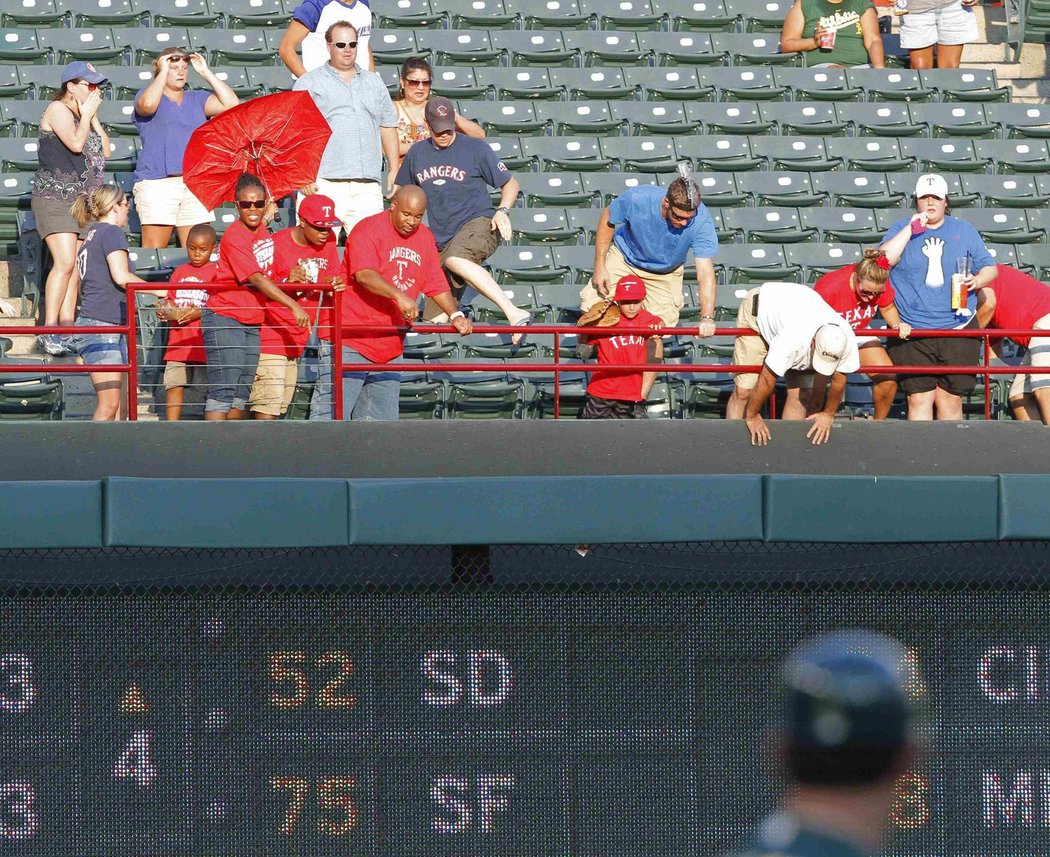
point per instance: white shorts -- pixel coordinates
(949, 25)
(168, 202)
(1038, 354)
(354, 201)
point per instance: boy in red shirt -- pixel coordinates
(184, 357)
(305, 253)
(1013, 300)
(856, 292)
(621, 395)
(390, 259)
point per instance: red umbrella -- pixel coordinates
(279, 138)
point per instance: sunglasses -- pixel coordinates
(91, 86)
(178, 58)
(343, 45)
(412, 82)
(245, 204)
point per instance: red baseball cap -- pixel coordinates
(630, 288)
(319, 210)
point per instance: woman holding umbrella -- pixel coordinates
(166, 114)
(231, 319)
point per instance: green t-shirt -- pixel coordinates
(782, 836)
(849, 43)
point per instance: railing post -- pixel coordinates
(337, 356)
(133, 352)
(987, 379)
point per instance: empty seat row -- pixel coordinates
(156, 13)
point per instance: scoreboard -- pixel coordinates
(512, 723)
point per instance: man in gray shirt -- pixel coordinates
(364, 128)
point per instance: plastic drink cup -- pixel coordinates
(917, 228)
(827, 40)
(959, 279)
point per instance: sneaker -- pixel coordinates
(65, 341)
(51, 343)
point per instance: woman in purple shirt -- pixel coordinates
(166, 114)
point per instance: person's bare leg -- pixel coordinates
(184, 234)
(947, 405)
(949, 56)
(215, 416)
(237, 414)
(122, 404)
(156, 236)
(795, 404)
(173, 400)
(108, 388)
(1042, 398)
(63, 248)
(67, 312)
(921, 58)
(920, 405)
(1024, 409)
(482, 280)
(259, 416)
(884, 387)
(737, 403)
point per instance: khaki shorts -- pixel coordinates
(178, 374)
(354, 200)
(663, 292)
(168, 202)
(274, 384)
(1038, 354)
(752, 350)
(475, 242)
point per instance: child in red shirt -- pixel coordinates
(613, 395)
(184, 357)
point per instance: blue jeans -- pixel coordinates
(366, 395)
(100, 349)
(233, 356)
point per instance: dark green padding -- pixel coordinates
(555, 510)
(1024, 506)
(881, 508)
(50, 514)
(225, 513)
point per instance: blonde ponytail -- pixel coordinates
(96, 204)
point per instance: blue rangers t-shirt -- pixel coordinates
(456, 180)
(650, 242)
(922, 278)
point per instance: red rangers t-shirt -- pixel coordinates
(185, 342)
(1020, 301)
(411, 264)
(279, 333)
(622, 349)
(834, 288)
(239, 258)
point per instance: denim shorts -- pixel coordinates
(100, 348)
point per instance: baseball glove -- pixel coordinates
(603, 314)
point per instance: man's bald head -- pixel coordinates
(410, 194)
(407, 209)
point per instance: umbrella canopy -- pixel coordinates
(279, 138)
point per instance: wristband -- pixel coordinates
(504, 209)
(707, 318)
(455, 315)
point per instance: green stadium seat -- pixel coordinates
(550, 14)
(579, 261)
(31, 397)
(781, 187)
(935, 155)
(755, 263)
(958, 120)
(543, 226)
(419, 398)
(13, 85)
(459, 47)
(510, 83)
(117, 117)
(22, 118)
(408, 14)
(625, 14)
(711, 16)
(508, 150)
(1013, 156)
(890, 84)
(1011, 191)
(640, 154)
(396, 46)
(561, 301)
(754, 49)
(720, 154)
(18, 155)
(571, 394)
(22, 45)
(457, 82)
(566, 153)
(505, 117)
(864, 189)
(742, 84)
(37, 14)
(604, 187)
(706, 398)
(817, 84)
(680, 49)
(1035, 258)
(847, 225)
(1002, 225)
(738, 117)
(875, 154)
(722, 189)
(91, 13)
(583, 117)
(668, 84)
(725, 230)
(781, 225)
(557, 188)
(604, 47)
(816, 260)
(237, 47)
(144, 44)
(481, 396)
(604, 82)
(125, 82)
(243, 14)
(964, 84)
(762, 16)
(268, 81)
(794, 118)
(795, 153)
(124, 152)
(884, 120)
(481, 14)
(1015, 120)
(655, 117)
(585, 222)
(186, 13)
(903, 184)
(1006, 254)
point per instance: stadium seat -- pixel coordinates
(408, 14)
(124, 152)
(1006, 191)
(605, 47)
(722, 189)
(543, 226)
(268, 81)
(1014, 156)
(958, 120)
(846, 225)
(22, 45)
(796, 153)
(543, 48)
(479, 14)
(741, 84)
(640, 154)
(604, 187)
(680, 49)
(36, 14)
(781, 187)
(603, 82)
(726, 232)
(625, 14)
(781, 225)
(143, 44)
(241, 14)
(955, 155)
(720, 154)
(884, 120)
(31, 397)
(238, 47)
(393, 47)
(883, 155)
(738, 117)
(889, 84)
(91, 13)
(551, 14)
(667, 84)
(1006, 254)
(1002, 225)
(762, 16)
(529, 83)
(455, 47)
(821, 118)
(712, 16)
(566, 153)
(655, 117)
(817, 84)
(482, 395)
(964, 84)
(504, 117)
(751, 263)
(508, 150)
(456, 82)
(571, 394)
(815, 260)
(864, 189)
(526, 264)
(578, 261)
(117, 117)
(754, 49)
(420, 398)
(583, 117)
(124, 82)
(1035, 258)
(560, 302)
(904, 184)
(1015, 120)
(22, 118)
(585, 222)
(18, 154)
(13, 85)
(557, 188)
(189, 13)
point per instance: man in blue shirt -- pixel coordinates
(848, 736)
(649, 232)
(456, 172)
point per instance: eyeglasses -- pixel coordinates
(865, 295)
(343, 45)
(245, 204)
(91, 86)
(413, 82)
(178, 58)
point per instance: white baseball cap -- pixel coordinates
(829, 347)
(931, 184)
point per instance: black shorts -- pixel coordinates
(936, 351)
(596, 408)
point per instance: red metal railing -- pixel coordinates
(986, 371)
